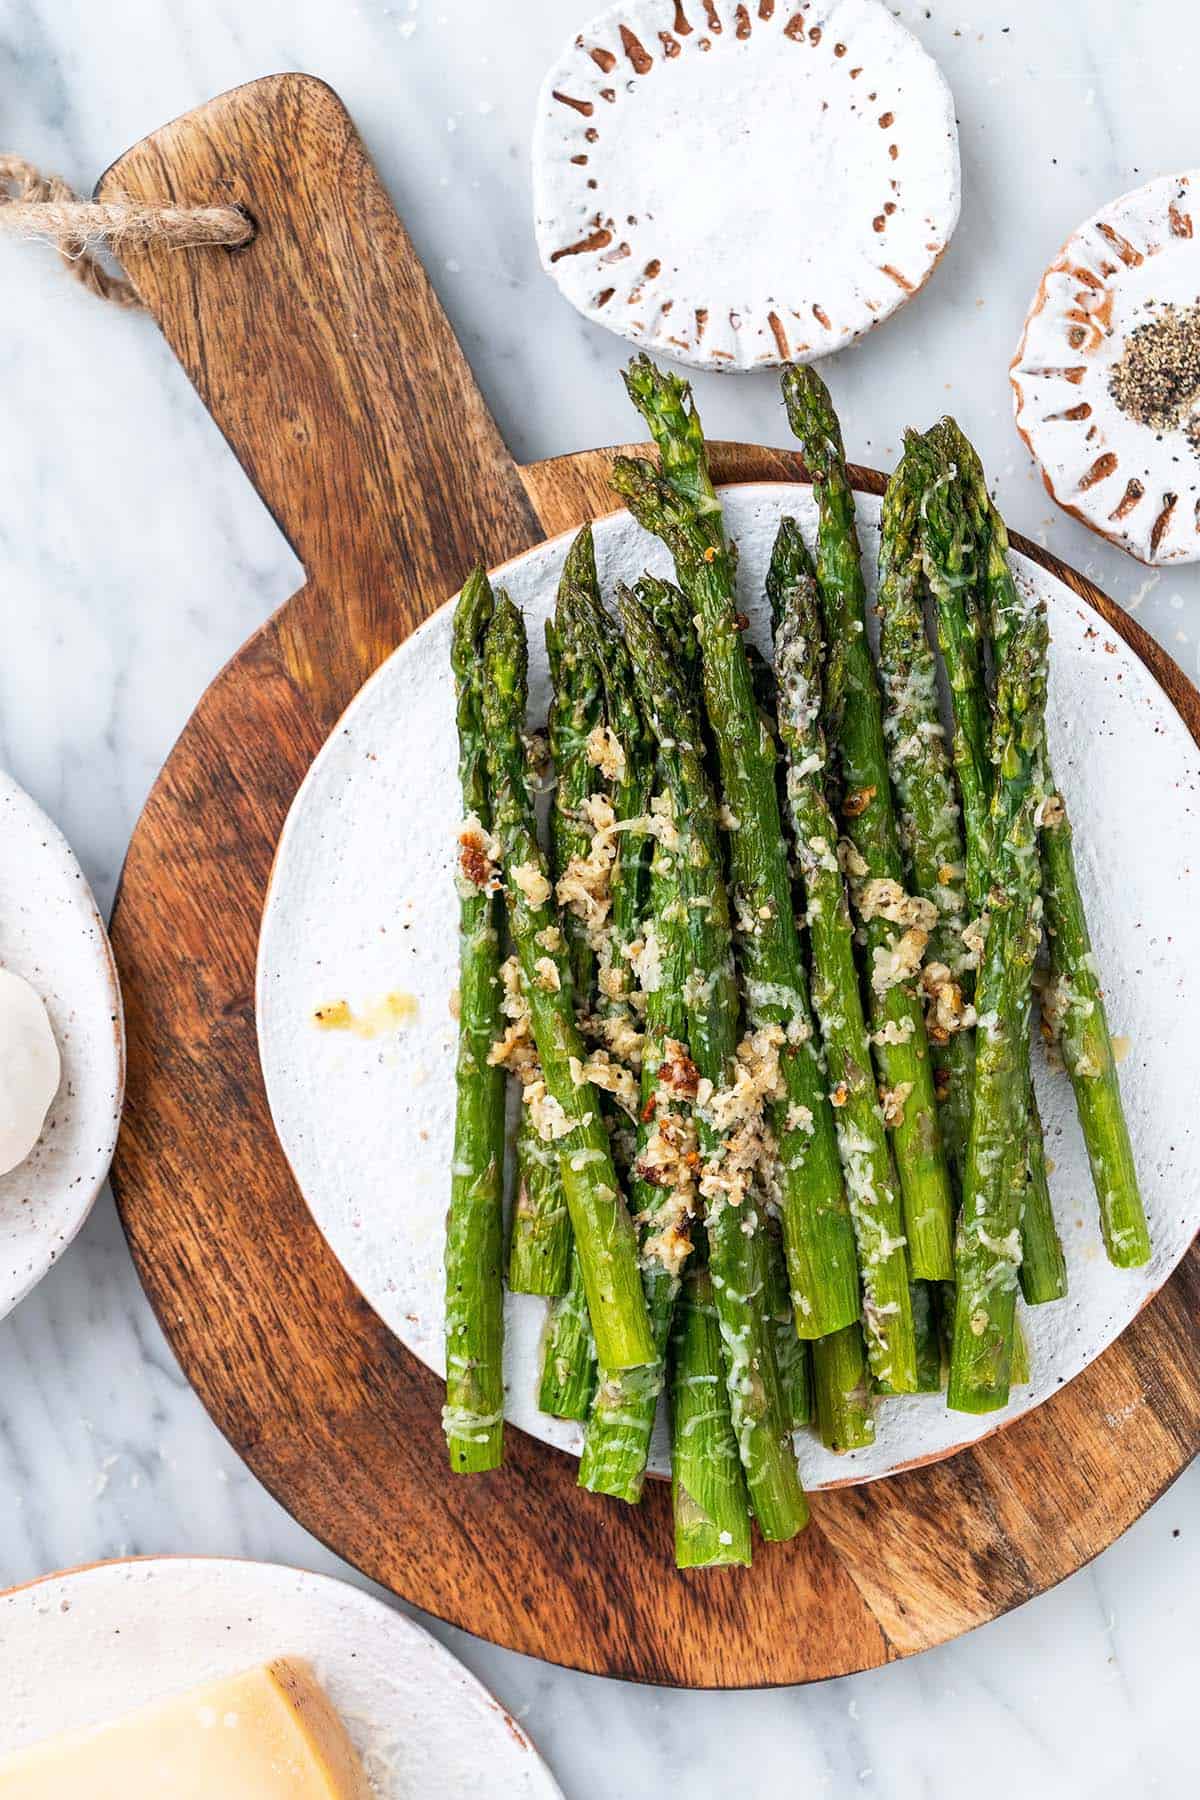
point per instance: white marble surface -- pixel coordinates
(134, 559)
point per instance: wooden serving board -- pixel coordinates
(322, 353)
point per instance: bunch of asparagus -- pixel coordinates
(768, 996)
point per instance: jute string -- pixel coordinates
(33, 205)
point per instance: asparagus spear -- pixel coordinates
(682, 508)
(569, 1371)
(540, 1249)
(855, 728)
(727, 1087)
(930, 818)
(792, 1354)
(862, 1135)
(569, 1110)
(594, 732)
(617, 1441)
(951, 520)
(711, 1506)
(539, 1259)
(988, 1251)
(1076, 1003)
(473, 1417)
(842, 1391)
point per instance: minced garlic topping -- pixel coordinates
(736, 1114)
(883, 898)
(549, 937)
(620, 1034)
(585, 886)
(1050, 812)
(947, 1012)
(894, 1031)
(973, 936)
(899, 960)
(661, 822)
(546, 970)
(603, 1072)
(532, 883)
(645, 954)
(605, 752)
(515, 1050)
(853, 864)
(669, 1160)
(549, 1120)
(892, 1101)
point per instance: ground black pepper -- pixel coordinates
(1157, 380)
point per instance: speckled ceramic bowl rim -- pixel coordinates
(88, 1191)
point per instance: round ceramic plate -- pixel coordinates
(52, 934)
(85, 1647)
(362, 907)
(744, 185)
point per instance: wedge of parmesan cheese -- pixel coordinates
(269, 1734)
(1106, 381)
(739, 185)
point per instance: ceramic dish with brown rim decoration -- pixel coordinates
(742, 186)
(1106, 381)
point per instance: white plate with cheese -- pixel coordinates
(248, 1673)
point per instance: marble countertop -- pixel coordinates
(134, 558)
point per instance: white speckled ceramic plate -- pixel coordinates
(1124, 272)
(744, 185)
(52, 934)
(362, 903)
(87, 1646)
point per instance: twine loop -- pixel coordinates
(33, 205)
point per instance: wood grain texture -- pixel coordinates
(325, 359)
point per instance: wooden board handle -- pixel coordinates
(322, 353)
